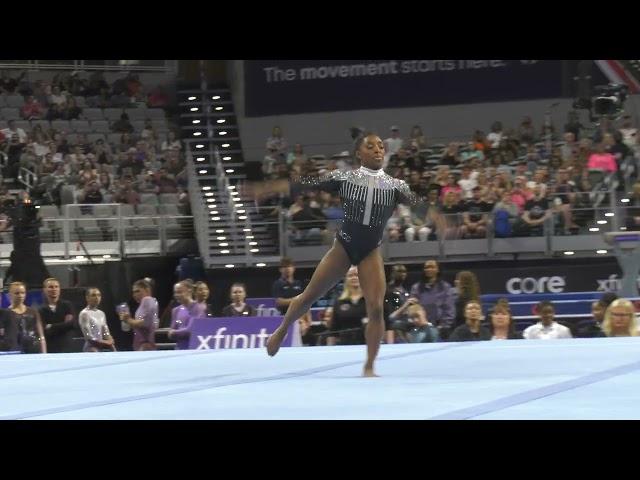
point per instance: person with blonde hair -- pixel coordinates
(620, 319)
(22, 329)
(419, 329)
(349, 313)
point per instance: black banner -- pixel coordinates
(275, 87)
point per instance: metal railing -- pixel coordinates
(129, 66)
(106, 231)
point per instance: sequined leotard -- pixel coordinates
(368, 200)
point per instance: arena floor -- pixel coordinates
(535, 379)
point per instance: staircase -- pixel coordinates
(231, 230)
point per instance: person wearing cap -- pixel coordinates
(392, 145)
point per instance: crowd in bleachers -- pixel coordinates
(513, 180)
(77, 139)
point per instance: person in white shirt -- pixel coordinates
(392, 145)
(628, 132)
(547, 327)
(495, 137)
(12, 130)
(468, 182)
(93, 324)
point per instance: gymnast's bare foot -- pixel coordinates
(274, 341)
(368, 371)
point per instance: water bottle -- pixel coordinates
(123, 308)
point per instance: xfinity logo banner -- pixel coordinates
(265, 307)
(612, 284)
(238, 332)
(535, 285)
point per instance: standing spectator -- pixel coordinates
(349, 313)
(502, 325)
(57, 317)
(286, 287)
(495, 137)
(467, 289)
(547, 327)
(145, 321)
(396, 296)
(471, 330)
(23, 329)
(93, 324)
(297, 156)
(32, 110)
(526, 131)
(620, 319)
(573, 124)
(148, 133)
(184, 313)
(436, 296)
(392, 145)
(8, 84)
(277, 141)
(417, 138)
(201, 295)
(123, 125)
(238, 307)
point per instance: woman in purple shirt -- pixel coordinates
(146, 320)
(183, 315)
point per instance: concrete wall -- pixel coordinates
(327, 133)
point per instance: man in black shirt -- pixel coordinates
(535, 214)
(285, 288)
(58, 318)
(474, 216)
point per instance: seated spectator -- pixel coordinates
(450, 155)
(505, 214)
(158, 97)
(308, 222)
(123, 125)
(424, 218)
(93, 324)
(620, 319)
(164, 183)
(130, 162)
(502, 325)
(32, 109)
(101, 99)
(472, 330)
(594, 328)
(450, 186)
(57, 98)
(474, 216)
(171, 142)
(12, 130)
(8, 84)
(526, 131)
(547, 327)
(88, 173)
(419, 329)
(148, 132)
(467, 288)
(54, 112)
(72, 110)
(564, 197)
(349, 313)
(91, 194)
(436, 296)
(238, 307)
(629, 132)
(127, 193)
(536, 213)
(450, 214)
(601, 160)
(186, 310)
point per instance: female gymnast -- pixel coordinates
(369, 197)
